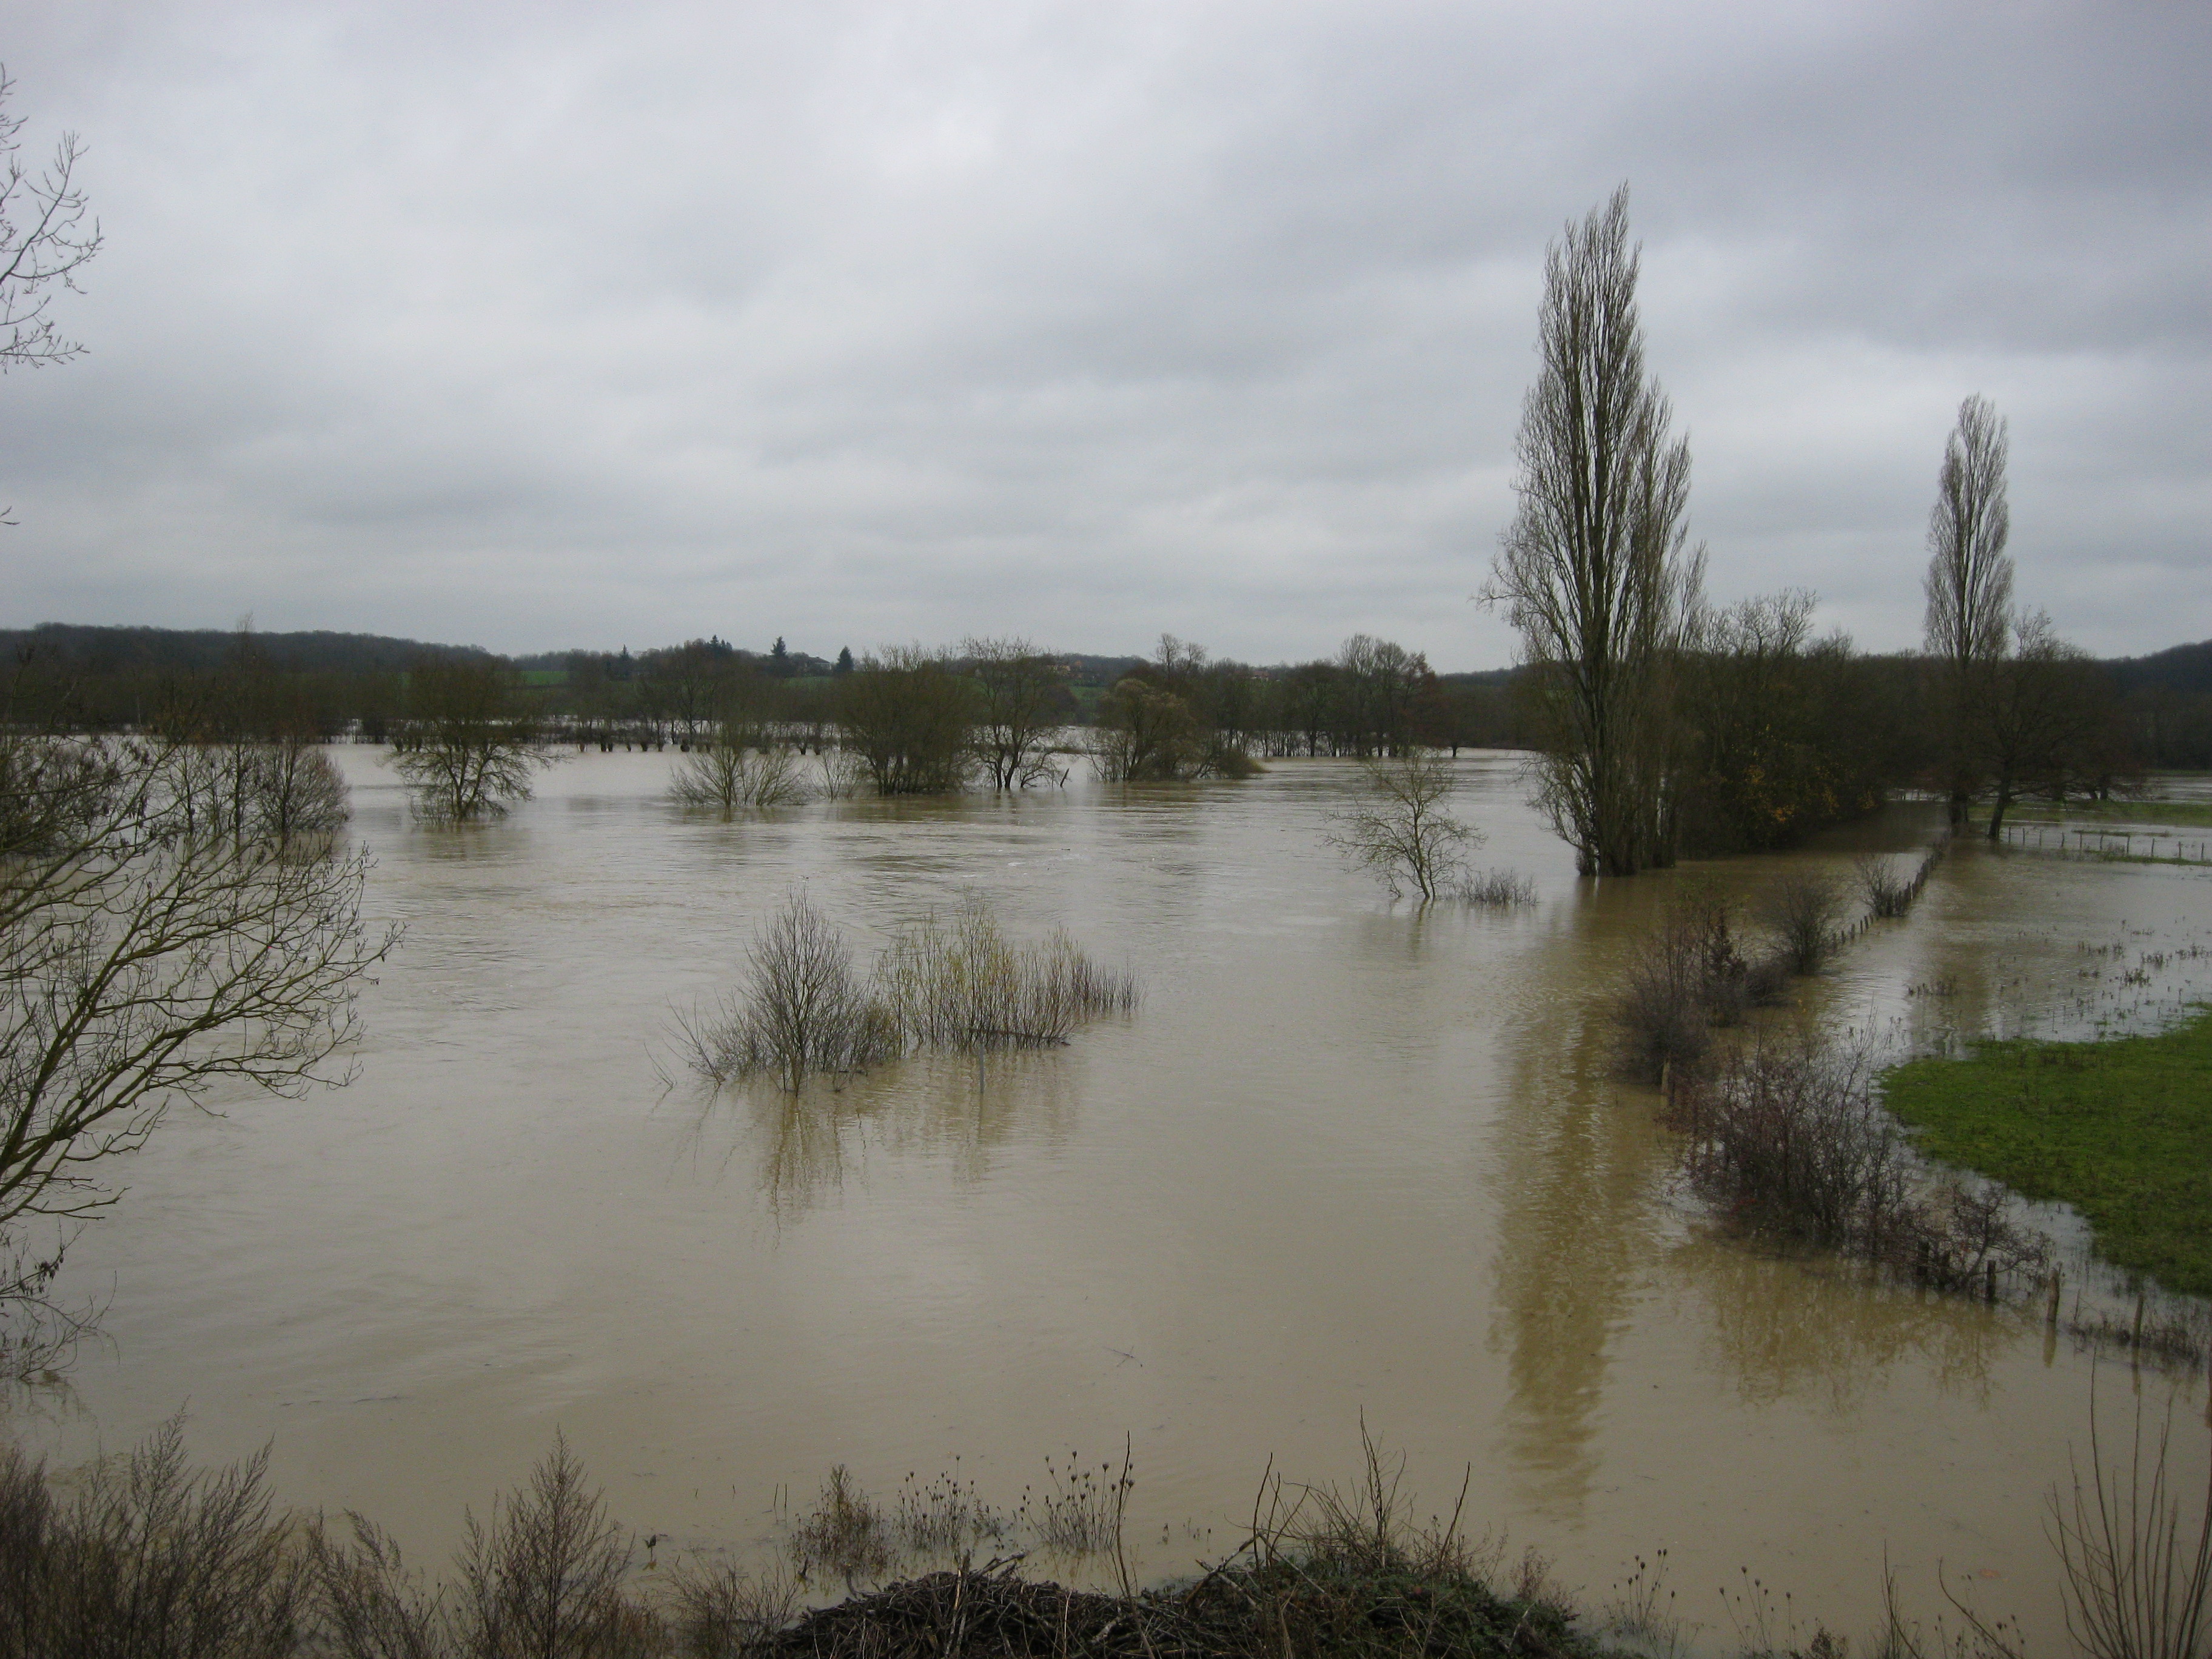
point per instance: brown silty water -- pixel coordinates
(1346, 1159)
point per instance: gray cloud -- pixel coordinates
(542, 325)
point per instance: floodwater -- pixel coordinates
(1347, 1161)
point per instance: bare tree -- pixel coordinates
(44, 243)
(470, 746)
(2042, 711)
(1594, 571)
(1023, 702)
(143, 962)
(1969, 581)
(1400, 830)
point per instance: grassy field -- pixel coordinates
(2121, 1130)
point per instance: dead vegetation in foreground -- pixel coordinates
(149, 1558)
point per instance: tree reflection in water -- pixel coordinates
(1789, 1324)
(958, 1112)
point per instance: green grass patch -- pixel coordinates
(2122, 1130)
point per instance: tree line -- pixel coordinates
(1771, 732)
(1666, 725)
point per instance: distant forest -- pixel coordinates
(1789, 732)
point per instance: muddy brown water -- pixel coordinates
(1347, 1160)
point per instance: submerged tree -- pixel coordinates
(1400, 830)
(1594, 572)
(1022, 701)
(471, 746)
(1969, 582)
(910, 719)
(2043, 719)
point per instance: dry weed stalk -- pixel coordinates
(2137, 1562)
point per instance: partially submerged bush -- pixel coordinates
(1888, 893)
(1686, 979)
(1502, 889)
(738, 767)
(961, 986)
(847, 1532)
(804, 1009)
(1787, 1136)
(1880, 887)
(1802, 908)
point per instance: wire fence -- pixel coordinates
(2158, 846)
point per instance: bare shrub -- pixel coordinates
(844, 774)
(848, 1534)
(964, 988)
(544, 1575)
(803, 1010)
(740, 767)
(1687, 978)
(149, 1558)
(2137, 1561)
(724, 1614)
(1786, 1135)
(1802, 908)
(1880, 887)
(1399, 829)
(370, 1605)
(1959, 1236)
(1503, 890)
(1787, 1131)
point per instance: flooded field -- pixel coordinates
(1345, 1160)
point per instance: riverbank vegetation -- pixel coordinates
(960, 987)
(145, 1555)
(1777, 733)
(151, 1557)
(2121, 1129)
(1784, 1132)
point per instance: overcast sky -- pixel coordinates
(552, 324)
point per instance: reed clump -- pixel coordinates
(1503, 890)
(943, 987)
